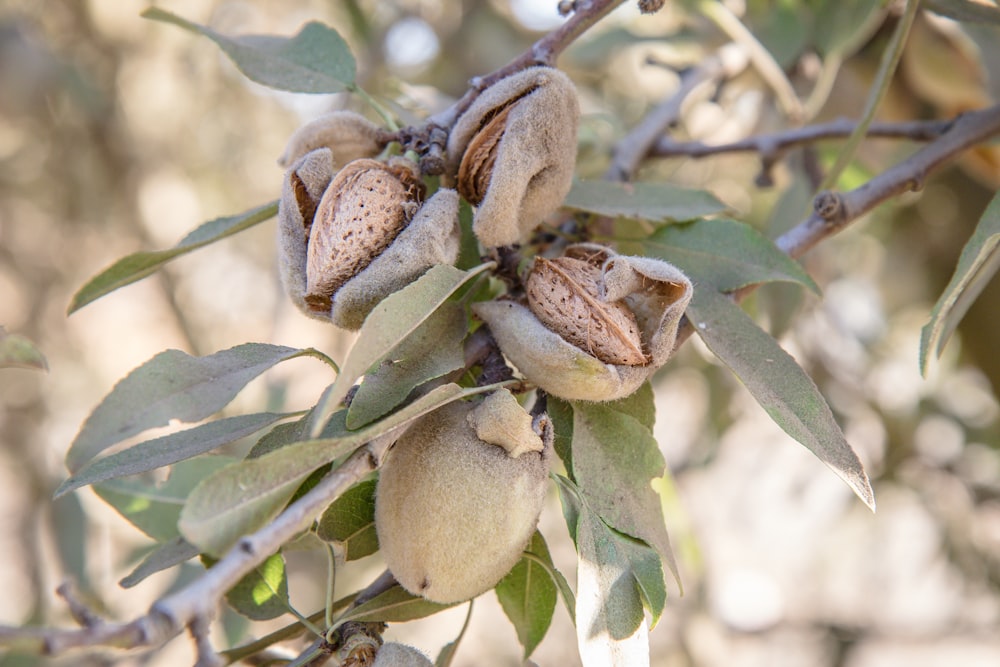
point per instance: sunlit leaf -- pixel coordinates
(447, 654)
(137, 266)
(977, 265)
(778, 383)
(656, 202)
(172, 385)
(395, 318)
(528, 596)
(168, 449)
(262, 594)
(19, 352)
(725, 253)
(245, 496)
(615, 460)
(154, 508)
(610, 623)
(395, 605)
(165, 556)
(315, 60)
(350, 521)
(433, 349)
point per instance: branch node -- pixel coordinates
(828, 205)
(566, 7)
(246, 546)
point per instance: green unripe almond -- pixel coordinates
(452, 511)
(400, 655)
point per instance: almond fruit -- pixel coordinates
(363, 209)
(565, 295)
(480, 156)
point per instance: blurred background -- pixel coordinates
(119, 134)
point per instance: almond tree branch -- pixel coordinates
(632, 149)
(192, 606)
(833, 211)
(772, 146)
(543, 52)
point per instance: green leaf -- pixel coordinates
(172, 385)
(610, 623)
(839, 22)
(245, 496)
(967, 11)
(262, 594)
(656, 202)
(395, 605)
(447, 653)
(615, 460)
(977, 265)
(432, 350)
(168, 449)
(528, 596)
(392, 321)
(281, 435)
(725, 253)
(561, 414)
(155, 508)
(778, 383)
(164, 556)
(19, 352)
(315, 60)
(350, 521)
(137, 266)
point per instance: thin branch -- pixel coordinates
(773, 145)
(833, 211)
(543, 52)
(197, 602)
(633, 148)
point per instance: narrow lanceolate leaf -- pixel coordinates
(447, 653)
(172, 385)
(433, 349)
(610, 624)
(316, 60)
(137, 266)
(394, 606)
(154, 508)
(778, 383)
(528, 596)
(350, 521)
(615, 460)
(19, 352)
(656, 202)
(262, 594)
(725, 253)
(245, 496)
(392, 321)
(168, 449)
(977, 265)
(165, 556)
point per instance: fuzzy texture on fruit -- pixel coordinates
(513, 152)
(655, 292)
(400, 655)
(453, 512)
(348, 135)
(429, 236)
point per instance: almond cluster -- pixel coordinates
(353, 229)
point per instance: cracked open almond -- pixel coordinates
(362, 211)
(565, 295)
(594, 326)
(513, 151)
